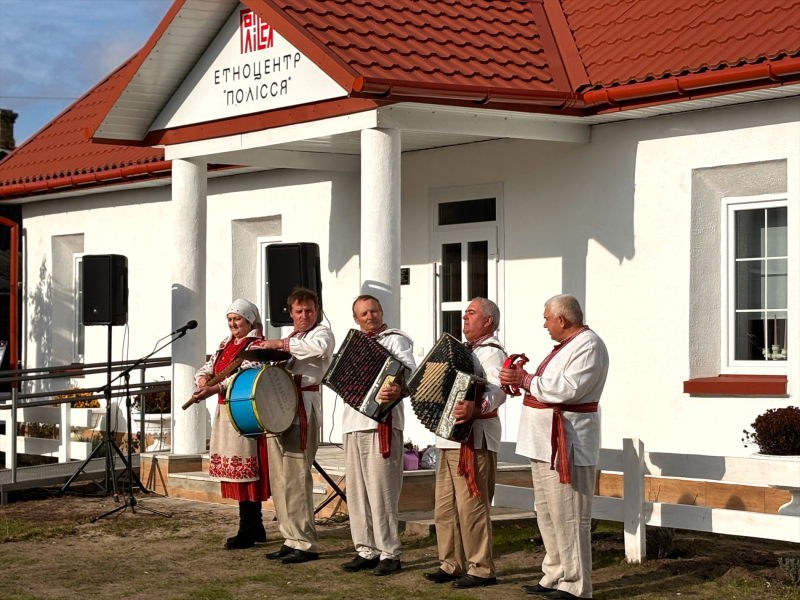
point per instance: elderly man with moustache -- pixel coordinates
(374, 456)
(292, 453)
(559, 431)
(466, 472)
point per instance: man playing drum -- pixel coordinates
(466, 472)
(374, 456)
(559, 430)
(292, 453)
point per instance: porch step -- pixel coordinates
(421, 522)
(198, 485)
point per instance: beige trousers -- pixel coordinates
(564, 516)
(463, 524)
(292, 487)
(373, 493)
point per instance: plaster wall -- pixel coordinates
(611, 223)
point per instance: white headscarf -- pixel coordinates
(246, 309)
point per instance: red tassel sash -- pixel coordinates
(385, 436)
(301, 410)
(558, 440)
(466, 458)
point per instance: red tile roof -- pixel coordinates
(535, 53)
(467, 42)
(60, 149)
(624, 41)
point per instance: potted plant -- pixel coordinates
(84, 413)
(157, 408)
(777, 435)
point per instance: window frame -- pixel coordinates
(730, 206)
(77, 310)
(263, 284)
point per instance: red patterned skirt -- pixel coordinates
(251, 491)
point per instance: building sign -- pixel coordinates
(248, 68)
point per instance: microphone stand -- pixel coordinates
(130, 499)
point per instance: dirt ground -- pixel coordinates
(48, 549)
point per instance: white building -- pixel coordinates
(512, 150)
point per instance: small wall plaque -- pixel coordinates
(405, 276)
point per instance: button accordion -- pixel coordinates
(445, 377)
(360, 370)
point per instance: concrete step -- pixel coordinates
(198, 485)
(421, 522)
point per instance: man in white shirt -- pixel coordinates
(560, 429)
(374, 456)
(466, 472)
(291, 454)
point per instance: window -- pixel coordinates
(467, 211)
(757, 284)
(79, 330)
(270, 332)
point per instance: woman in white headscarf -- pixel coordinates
(239, 463)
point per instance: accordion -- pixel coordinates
(445, 377)
(359, 371)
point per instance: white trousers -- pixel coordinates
(564, 517)
(291, 484)
(373, 493)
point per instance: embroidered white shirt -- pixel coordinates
(576, 375)
(311, 356)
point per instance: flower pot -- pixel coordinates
(156, 427)
(792, 507)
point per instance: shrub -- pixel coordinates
(791, 570)
(154, 403)
(776, 432)
(659, 541)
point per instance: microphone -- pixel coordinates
(182, 330)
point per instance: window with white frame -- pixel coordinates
(270, 332)
(78, 330)
(757, 283)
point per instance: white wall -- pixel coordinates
(608, 221)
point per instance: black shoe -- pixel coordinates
(284, 551)
(471, 581)
(239, 542)
(562, 595)
(439, 576)
(359, 563)
(537, 589)
(295, 557)
(386, 567)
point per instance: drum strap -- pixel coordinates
(466, 458)
(301, 410)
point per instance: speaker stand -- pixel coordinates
(108, 444)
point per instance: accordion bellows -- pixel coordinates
(359, 371)
(445, 377)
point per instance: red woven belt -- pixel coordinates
(558, 440)
(301, 410)
(466, 458)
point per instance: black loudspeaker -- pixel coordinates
(105, 289)
(290, 266)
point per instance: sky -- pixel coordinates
(54, 51)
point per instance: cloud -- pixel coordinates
(61, 48)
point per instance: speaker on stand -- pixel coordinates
(105, 302)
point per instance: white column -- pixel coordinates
(189, 190)
(380, 219)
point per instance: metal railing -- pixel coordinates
(16, 400)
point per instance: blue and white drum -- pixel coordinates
(262, 401)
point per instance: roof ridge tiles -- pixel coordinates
(683, 29)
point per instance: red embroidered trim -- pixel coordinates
(233, 467)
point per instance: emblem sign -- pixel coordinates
(248, 68)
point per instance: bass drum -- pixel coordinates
(262, 401)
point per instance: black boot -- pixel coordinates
(257, 527)
(244, 537)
